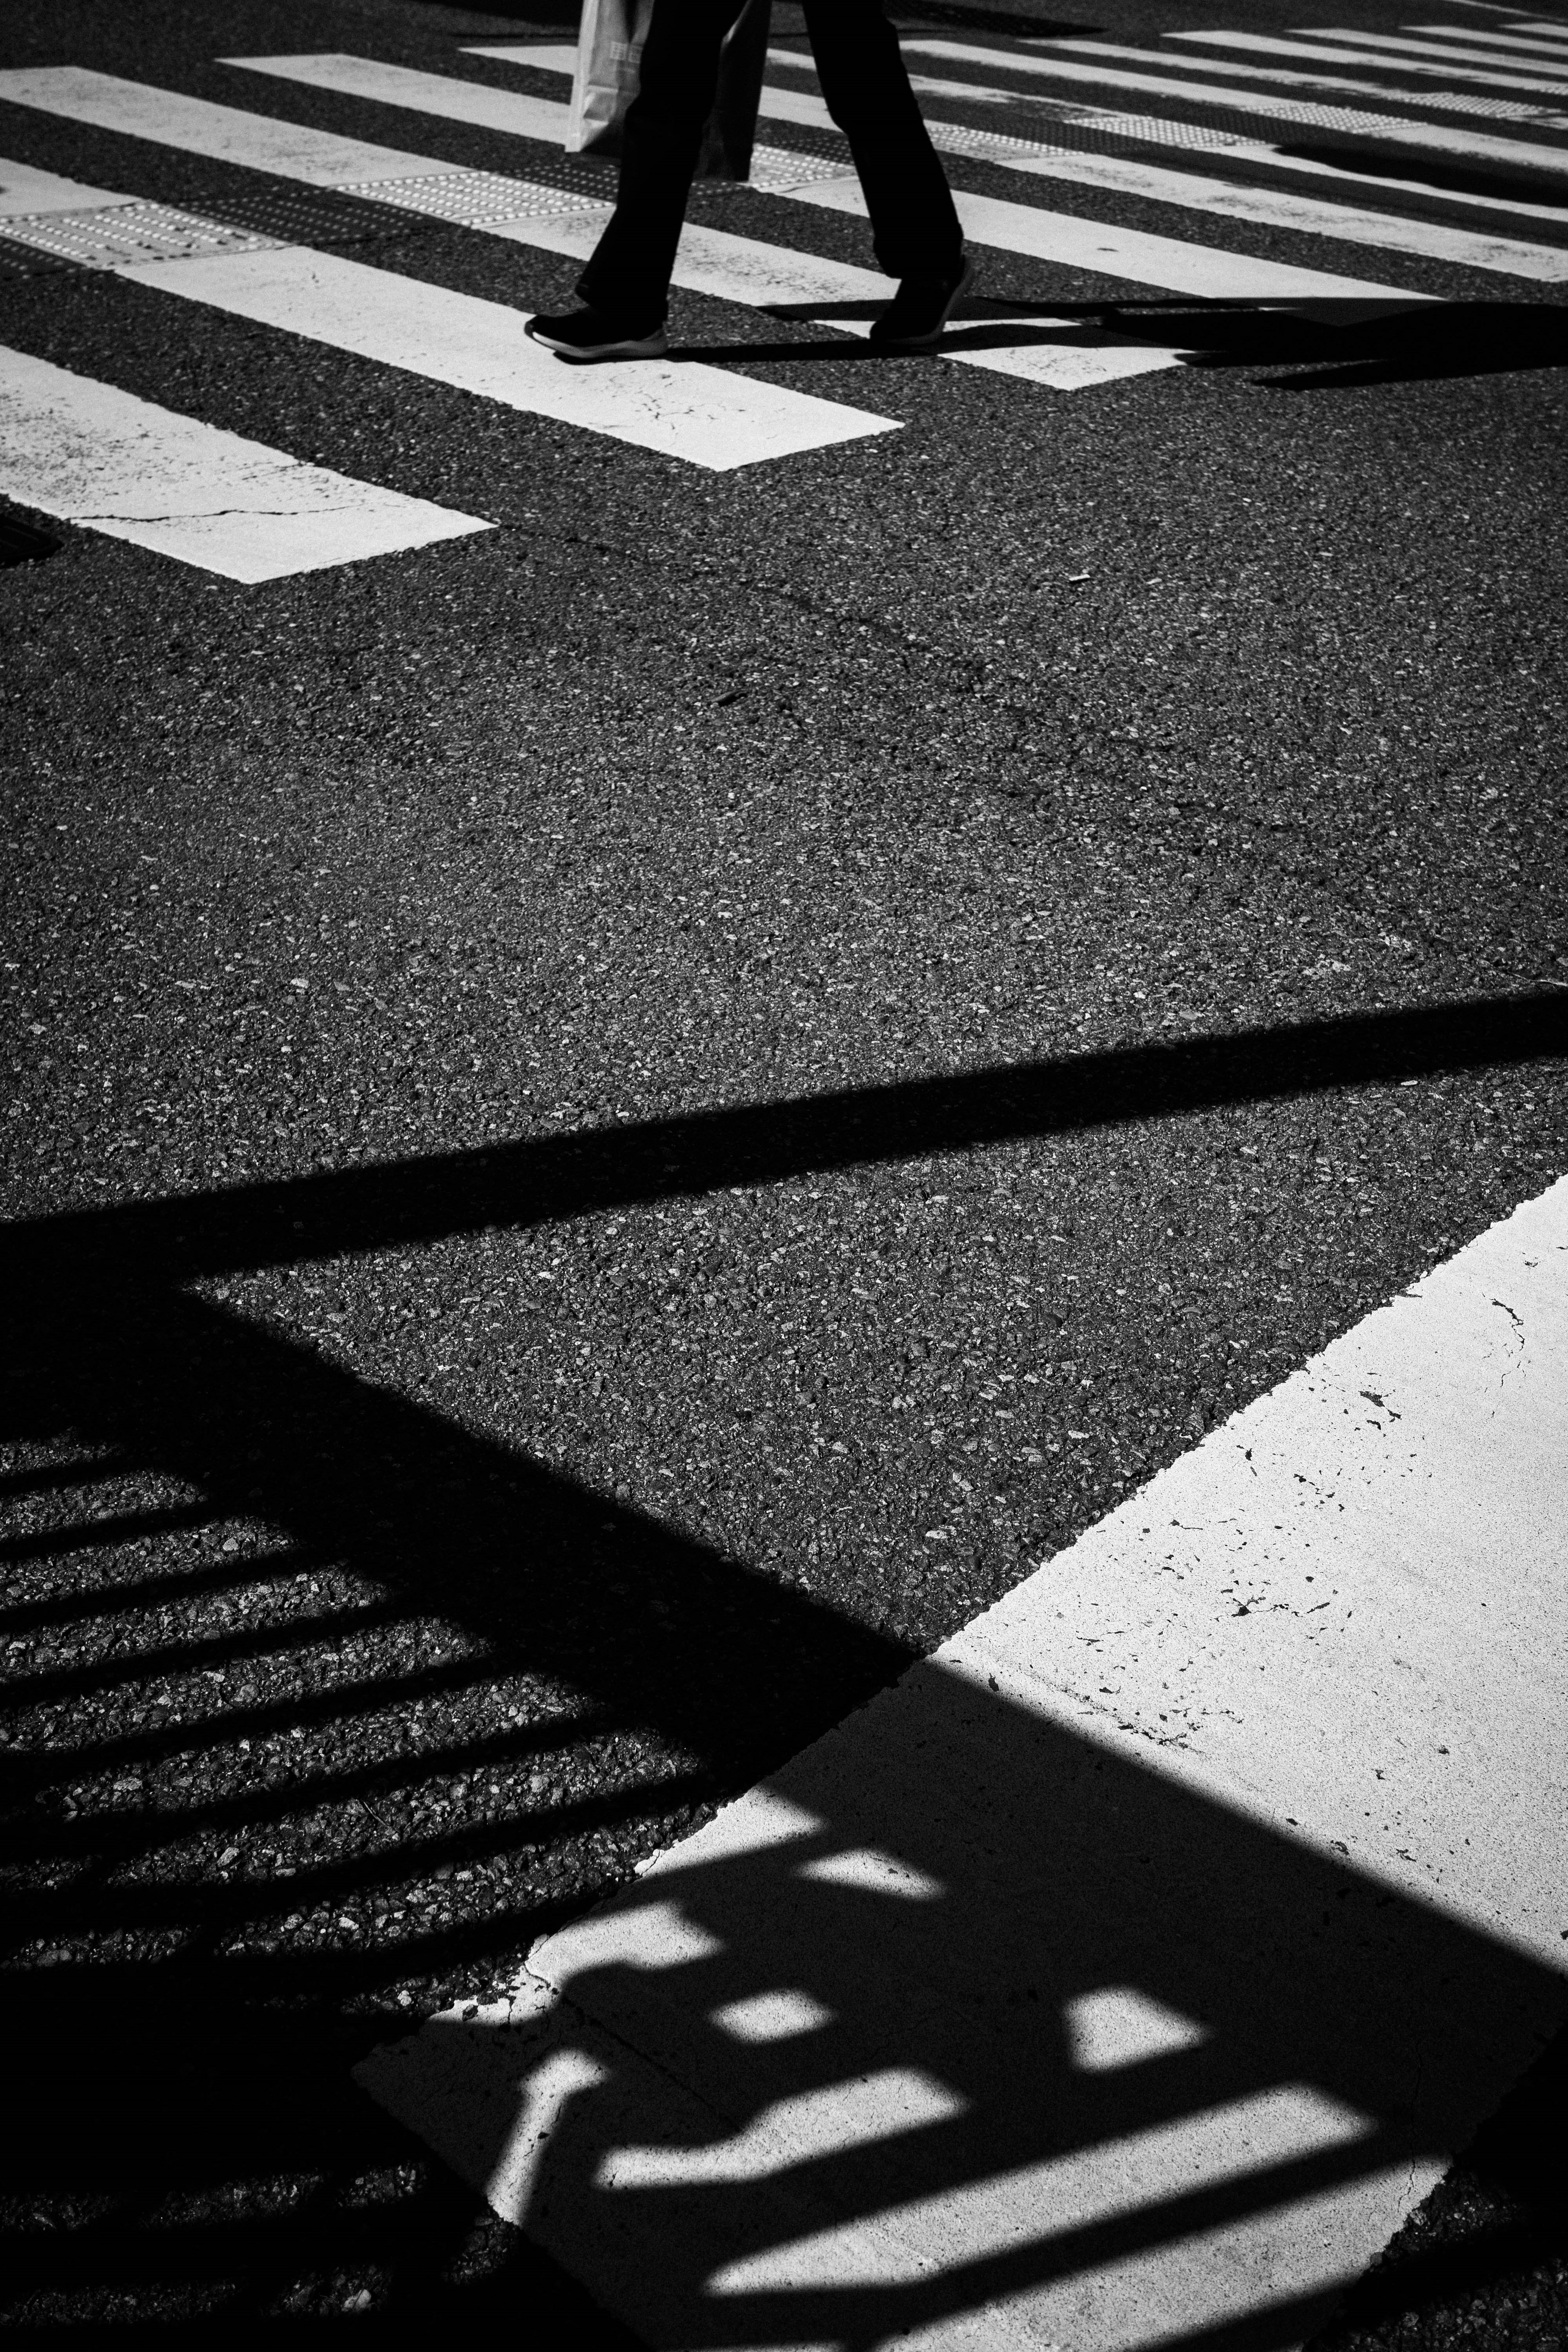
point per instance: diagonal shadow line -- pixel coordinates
(121, 1835)
(543, 1179)
(180, 1659)
(44, 1767)
(104, 1604)
(232, 1903)
(87, 1535)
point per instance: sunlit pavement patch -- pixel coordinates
(1138, 1961)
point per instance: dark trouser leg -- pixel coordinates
(629, 275)
(914, 228)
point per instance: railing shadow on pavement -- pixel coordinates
(231, 1834)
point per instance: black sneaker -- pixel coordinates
(914, 319)
(588, 334)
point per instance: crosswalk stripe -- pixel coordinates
(1316, 49)
(1147, 129)
(479, 104)
(1440, 138)
(1126, 1974)
(703, 415)
(1062, 355)
(1152, 129)
(1535, 40)
(1173, 264)
(1452, 51)
(112, 463)
(1500, 110)
(1277, 208)
(1281, 208)
(1207, 273)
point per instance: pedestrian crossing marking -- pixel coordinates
(1440, 138)
(1273, 208)
(702, 415)
(1206, 273)
(1313, 50)
(124, 467)
(706, 417)
(1369, 48)
(1171, 264)
(1209, 1978)
(1535, 40)
(1502, 110)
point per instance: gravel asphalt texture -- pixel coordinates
(395, 1558)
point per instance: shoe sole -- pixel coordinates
(928, 342)
(628, 347)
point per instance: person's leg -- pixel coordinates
(915, 231)
(629, 275)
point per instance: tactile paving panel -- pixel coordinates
(113, 236)
(471, 196)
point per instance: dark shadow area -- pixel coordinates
(1459, 179)
(23, 543)
(533, 1181)
(316, 1695)
(1334, 346)
(1015, 24)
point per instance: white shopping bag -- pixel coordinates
(609, 43)
(609, 47)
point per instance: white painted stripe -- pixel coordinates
(1522, 154)
(1501, 110)
(1174, 263)
(488, 108)
(1279, 208)
(1217, 1898)
(1319, 51)
(438, 94)
(1060, 354)
(1458, 50)
(25, 189)
(1160, 131)
(103, 458)
(198, 127)
(735, 421)
(1533, 40)
(704, 416)
(1205, 272)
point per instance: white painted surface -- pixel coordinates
(1458, 49)
(1282, 208)
(1502, 110)
(1235, 1908)
(1062, 355)
(1411, 58)
(1437, 137)
(489, 108)
(1535, 40)
(1176, 265)
(116, 464)
(25, 189)
(703, 415)
(197, 126)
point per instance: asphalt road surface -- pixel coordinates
(664, 1027)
